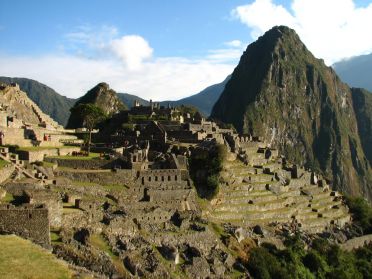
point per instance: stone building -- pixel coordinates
(27, 221)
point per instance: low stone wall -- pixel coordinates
(39, 155)
(6, 172)
(124, 176)
(164, 195)
(27, 221)
(86, 164)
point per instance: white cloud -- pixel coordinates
(159, 79)
(94, 54)
(234, 43)
(132, 50)
(92, 37)
(331, 29)
(224, 55)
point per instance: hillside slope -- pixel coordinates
(204, 100)
(362, 102)
(102, 96)
(49, 101)
(281, 92)
(356, 71)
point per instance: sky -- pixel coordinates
(164, 49)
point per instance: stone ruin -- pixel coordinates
(260, 187)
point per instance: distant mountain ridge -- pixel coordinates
(58, 106)
(356, 71)
(204, 100)
(281, 92)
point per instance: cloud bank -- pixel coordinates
(91, 55)
(331, 29)
(158, 79)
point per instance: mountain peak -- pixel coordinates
(102, 96)
(281, 92)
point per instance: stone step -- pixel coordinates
(328, 206)
(307, 215)
(322, 202)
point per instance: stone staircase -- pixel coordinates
(36, 173)
(248, 196)
(17, 103)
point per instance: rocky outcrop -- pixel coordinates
(103, 97)
(281, 92)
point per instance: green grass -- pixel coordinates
(8, 198)
(91, 156)
(55, 237)
(19, 258)
(84, 183)
(100, 243)
(39, 148)
(3, 163)
(115, 187)
(48, 164)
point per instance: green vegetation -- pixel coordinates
(205, 167)
(279, 89)
(361, 211)
(55, 237)
(20, 258)
(362, 103)
(98, 241)
(8, 198)
(39, 148)
(90, 115)
(90, 156)
(3, 163)
(323, 260)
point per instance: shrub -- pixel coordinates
(362, 213)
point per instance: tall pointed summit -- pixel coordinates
(281, 92)
(102, 96)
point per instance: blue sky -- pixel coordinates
(163, 49)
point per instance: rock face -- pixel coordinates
(362, 102)
(102, 96)
(281, 92)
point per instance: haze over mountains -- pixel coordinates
(356, 71)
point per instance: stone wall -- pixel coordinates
(39, 155)
(87, 164)
(29, 222)
(160, 176)
(123, 176)
(6, 172)
(15, 136)
(357, 242)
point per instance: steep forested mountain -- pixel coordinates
(280, 91)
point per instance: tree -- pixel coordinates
(91, 116)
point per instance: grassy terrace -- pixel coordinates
(100, 243)
(3, 163)
(39, 148)
(8, 198)
(19, 258)
(91, 156)
(114, 187)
